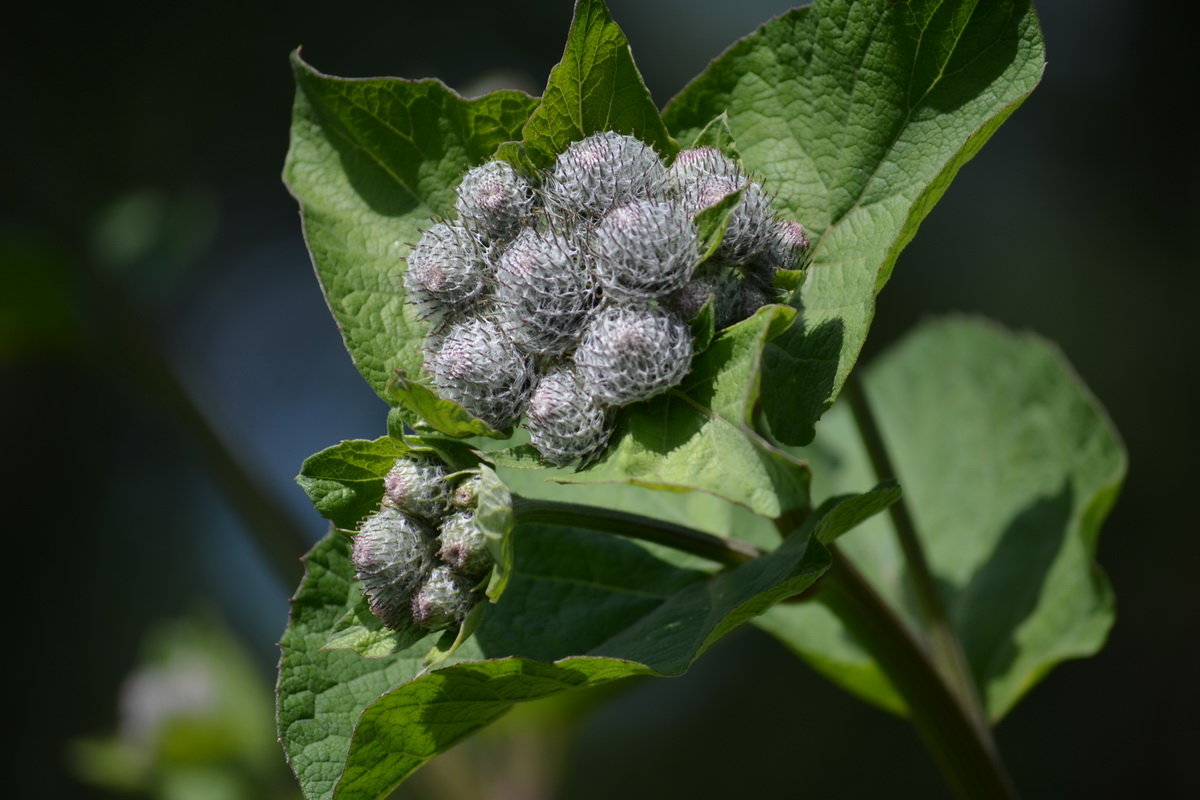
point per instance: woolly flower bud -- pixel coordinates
(644, 250)
(466, 493)
(593, 174)
(418, 486)
(446, 267)
(723, 285)
(392, 554)
(544, 292)
(701, 162)
(751, 223)
(443, 599)
(494, 200)
(481, 370)
(785, 248)
(563, 420)
(631, 354)
(464, 546)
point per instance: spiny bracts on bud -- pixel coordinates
(596, 173)
(392, 554)
(592, 269)
(644, 250)
(564, 420)
(463, 545)
(417, 485)
(494, 200)
(422, 571)
(632, 354)
(478, 367)
(446, 268)
(544, 292)
(443, 599)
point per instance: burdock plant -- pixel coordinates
(573, 303)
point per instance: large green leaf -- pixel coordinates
(581, 609)
(371, 162)
(859, 114)
(698, 437)
(1009, 465)
(595, 87)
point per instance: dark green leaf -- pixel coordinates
(859, 115)
(704, 326)
(1009, 466)
(595, 87)
(345, 482)
(371, 162)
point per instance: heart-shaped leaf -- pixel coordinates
(1009, 466)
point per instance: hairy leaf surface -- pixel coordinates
(371, 162)
(1009, 465)
(859, 115)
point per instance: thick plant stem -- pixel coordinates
(943, 641)
(961, 745)
(730, 552)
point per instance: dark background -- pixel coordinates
(146, 144)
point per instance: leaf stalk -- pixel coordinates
(962, 748)
(720, 549)
(943, 641)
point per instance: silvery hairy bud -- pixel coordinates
(392, 554)
(631, 354)
(786, 247)
(443, 599)
(544, 292)
(418, 485)
(701, 162)
(564, 421)
(494, 200)
(645, 249)
(463, 545)
(479, 368)
(595, 173)
(447, 267)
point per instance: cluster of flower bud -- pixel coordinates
(421, 557)
(566, 296)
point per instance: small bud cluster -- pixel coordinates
(565, 298)
(421, 557)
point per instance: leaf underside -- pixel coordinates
(1009, 465)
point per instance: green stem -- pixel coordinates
(943, 640)
(729, 552)
(962, 748)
